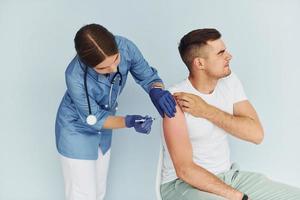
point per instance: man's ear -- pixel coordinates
(198, 62)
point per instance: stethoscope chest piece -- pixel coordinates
(91, 120)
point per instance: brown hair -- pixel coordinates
(93, 43)
(191, 43)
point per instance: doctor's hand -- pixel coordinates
(192, 104)
(163, 101)
(141, 124)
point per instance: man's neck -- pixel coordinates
(203, 83)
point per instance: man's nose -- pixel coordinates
(229, 56)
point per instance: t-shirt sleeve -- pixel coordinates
(237, 89)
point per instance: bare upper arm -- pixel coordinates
(177, 139)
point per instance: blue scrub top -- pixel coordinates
(74, 137)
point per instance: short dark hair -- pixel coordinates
(93, 43)
(191, 43)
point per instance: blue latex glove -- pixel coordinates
(163, 101)
(141, 127)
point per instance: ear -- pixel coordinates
(198, 62)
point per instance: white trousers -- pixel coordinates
(85, 179)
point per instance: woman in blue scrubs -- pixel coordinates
(86, 116)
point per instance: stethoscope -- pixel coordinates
(92, 119)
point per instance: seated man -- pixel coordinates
(211, 104)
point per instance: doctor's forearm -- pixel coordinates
(114, 122)
(241, 127)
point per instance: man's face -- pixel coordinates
(108, 65)
(216, 61)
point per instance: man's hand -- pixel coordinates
(192, 104)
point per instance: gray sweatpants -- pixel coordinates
(255, 185)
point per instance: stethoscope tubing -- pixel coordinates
(91, 119)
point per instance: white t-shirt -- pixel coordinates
(209, 142)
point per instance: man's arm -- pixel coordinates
(243, 123)
(180, 149)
